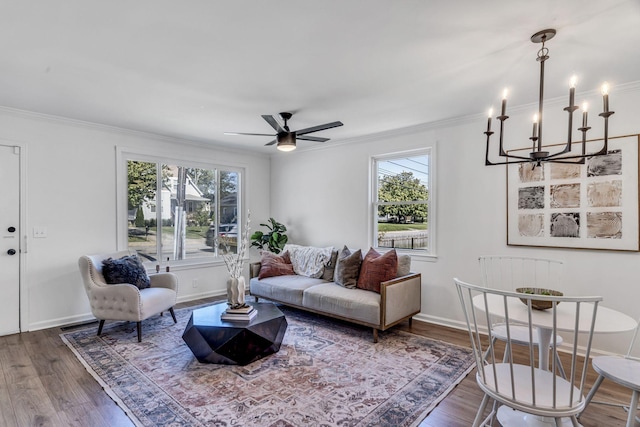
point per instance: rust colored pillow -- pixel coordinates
(377, 268)
(275, 265)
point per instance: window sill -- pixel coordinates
(190, 265)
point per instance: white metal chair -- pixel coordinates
(509, 273)
(623, 370)
(518, 385)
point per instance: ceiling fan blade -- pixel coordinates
(270, 143)
(318, 128)
(254, 134)
(312, 138)
(273, 123)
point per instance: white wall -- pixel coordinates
(322, 196)
(71, 190)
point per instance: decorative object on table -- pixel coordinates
(539, 153)
(589, 206)
(274, 240)
(537, 303)
(235, 263)
(318, 357)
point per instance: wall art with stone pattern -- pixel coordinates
(588, 206)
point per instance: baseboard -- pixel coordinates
(62, 321)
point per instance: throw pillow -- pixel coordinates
(377, 268)
(348, 268)
(275, 265)
(404, 265)
(127, 269)
(330, 267)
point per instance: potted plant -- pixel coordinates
(274, 240)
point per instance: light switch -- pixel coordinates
(39, 232)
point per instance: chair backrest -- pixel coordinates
(509, 273)
(91, 267)
(518, 382)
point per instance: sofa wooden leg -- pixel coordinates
(100, 326)
(410, 321)
(139, 325)
(375, 335)
(173, 314)
(256, 299)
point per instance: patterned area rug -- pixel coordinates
(327, 373)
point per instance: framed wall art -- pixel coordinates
(589, 206)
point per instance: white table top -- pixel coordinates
(607, 320)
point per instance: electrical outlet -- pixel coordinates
(39, 232)
(195, 283)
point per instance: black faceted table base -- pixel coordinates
(213, 340)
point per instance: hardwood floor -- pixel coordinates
(42, 383)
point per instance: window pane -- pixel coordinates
(403, 226)
(188, 195)
(402, 202)
(229, 230)
(403, 179)
(141, 190)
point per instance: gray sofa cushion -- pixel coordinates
(404, 265)
(348, 268)
(287, 289)
(355, 304)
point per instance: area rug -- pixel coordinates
(327, 373)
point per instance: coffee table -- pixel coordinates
(213, 340)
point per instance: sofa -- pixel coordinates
(328, 291)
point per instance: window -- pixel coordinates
(402, 194)
(181, 212)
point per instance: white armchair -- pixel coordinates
(124, 301)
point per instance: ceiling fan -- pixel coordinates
(285, 138)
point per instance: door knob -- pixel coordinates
(11, 251)
(11, 229)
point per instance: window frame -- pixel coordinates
(123, 155)
(430, 252)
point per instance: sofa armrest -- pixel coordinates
(254, 269)
(164, 280)
(400, 298)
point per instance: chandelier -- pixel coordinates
(538, 152)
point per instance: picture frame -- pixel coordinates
(594, 205)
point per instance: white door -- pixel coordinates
(10, 239)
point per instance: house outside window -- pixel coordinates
(403, 208)
(194, 202)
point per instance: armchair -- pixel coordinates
(124, 301)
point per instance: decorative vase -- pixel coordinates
(235, 292)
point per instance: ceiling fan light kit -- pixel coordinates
(286, 141)
(285, 138)
(537, 154)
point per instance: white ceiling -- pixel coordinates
(197, 68)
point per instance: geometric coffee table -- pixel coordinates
(213, 340)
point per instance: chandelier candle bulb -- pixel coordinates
(584, 114)
(489, 120)
(572, 90)
(605, 96)
(535, 126)
(504, 101)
